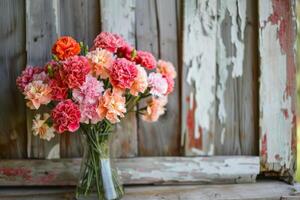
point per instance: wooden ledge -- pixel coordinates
(140, 170)
(262, 190)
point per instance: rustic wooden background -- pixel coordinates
(213, 44)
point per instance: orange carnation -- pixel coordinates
(65, 47)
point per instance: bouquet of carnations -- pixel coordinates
(91, 91)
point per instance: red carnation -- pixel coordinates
(59, 90)
(126, 51)
(108, 41)
(123, 73)
(66, 116)
(146, 59)
(74, 71)
(27, 76)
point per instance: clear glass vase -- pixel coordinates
(97, 174)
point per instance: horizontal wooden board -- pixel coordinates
(142, 170)
(258, 191)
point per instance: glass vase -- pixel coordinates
(96, 171)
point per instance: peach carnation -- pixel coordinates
(171, 83)
(74, 71)
(65, 47)
(155, 108)
(140, 83)
(145, 59)
(101, 61)
(37, 93)
(111, 106)
(123, 73)
(41, 128)
(108, 41)
(66, 116)
(166, 69)
(158, 84)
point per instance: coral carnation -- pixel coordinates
(101, 61)
(74, 71)
(27, 76)
(111, 106)
(37, 93)
(41, 128)
(123, 73)
(65, 47)
(140, 83)
(155, 108)
(66, 116)
(170, 82)
(166, 69)
(59, 90)
(108, 41)
(146, 59)
(158, 84)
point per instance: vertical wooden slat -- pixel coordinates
(12, 61)
(199, 76)
(277, 33)
(157, 33)
(79, 19)
(42, 29)
(236, 60)
(119, 17)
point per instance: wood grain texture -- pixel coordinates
(262, 190)
(142, 170)
(12, 62)
(157, 33)
(236, 62)
(42, 30)
(199, 76)
(119, 17)
(277, 33)
(79, 19)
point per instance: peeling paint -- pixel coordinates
(277, 82)
(229, 55)
(200, 64)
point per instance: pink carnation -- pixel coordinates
(66, 116)
(171, 83)
(166, 69)
(158, 84)
(123, 73)
(89, 113)
(108, 41)
(27, 76)
(89, 92)
(146, 59)
(74, 71)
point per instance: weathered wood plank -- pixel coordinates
(262, 190)
(119, 17)
(79, 19)
(142, 170)
(199, 76)
(157, 33)
(277, 34)
(42, 29)
(236, 61)
(12, 62)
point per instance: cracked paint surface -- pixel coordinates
(199, 65)
(277, 83)
(233, 11)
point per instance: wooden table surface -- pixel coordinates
(262, 190)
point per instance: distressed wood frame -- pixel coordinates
(140, 170)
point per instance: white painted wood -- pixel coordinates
(42, 30)
(277, 86)
(140, 170)
(119, 17)
(199, 76)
